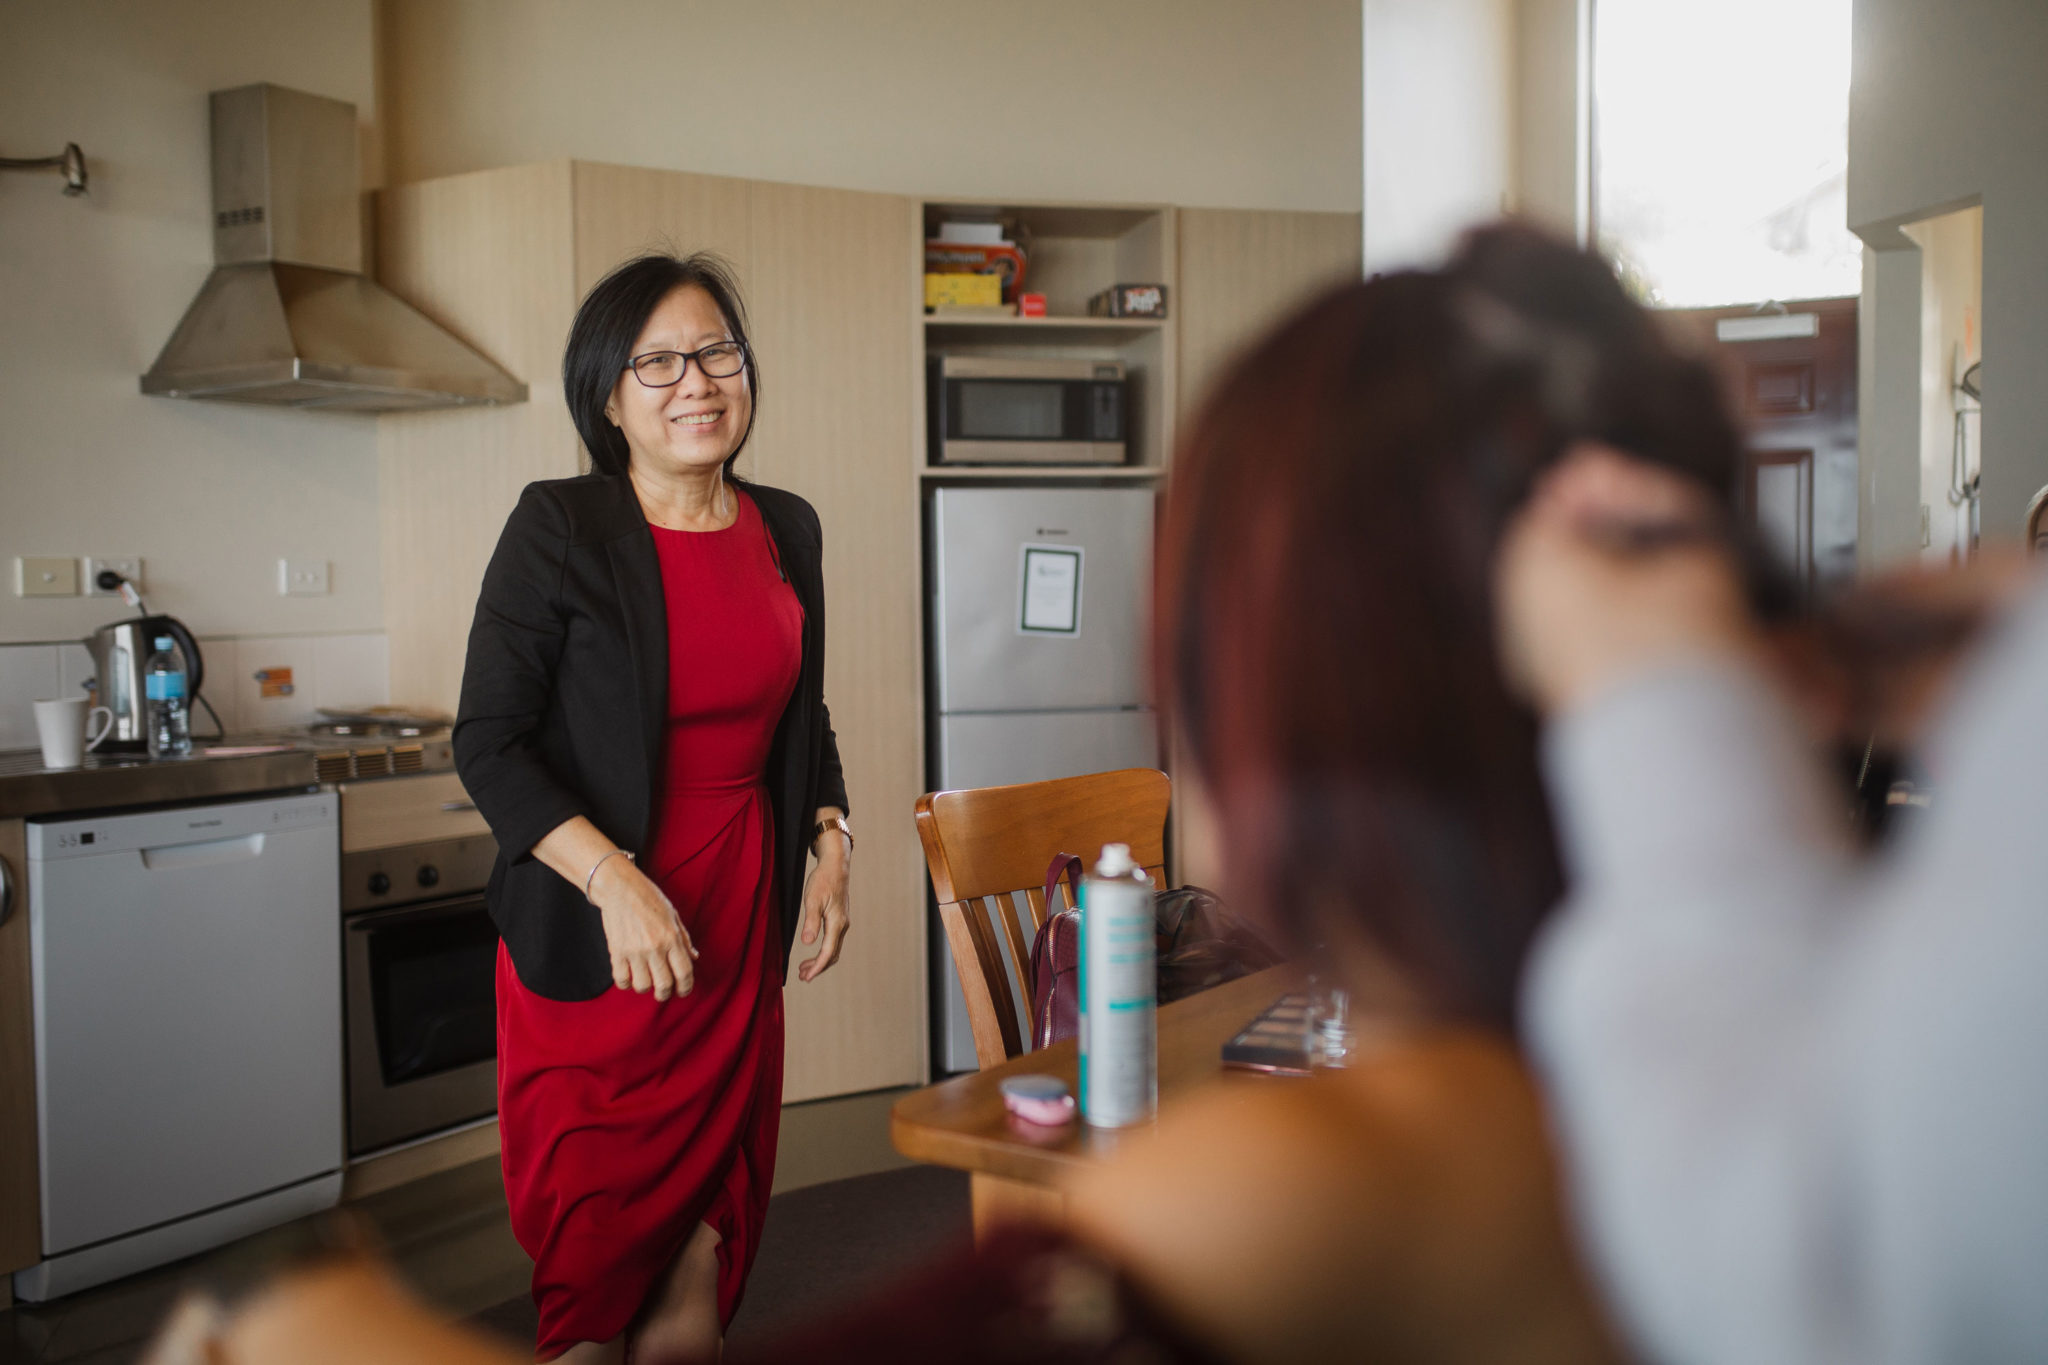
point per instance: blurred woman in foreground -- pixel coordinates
(1325, 639)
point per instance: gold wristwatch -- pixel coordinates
(837, 822)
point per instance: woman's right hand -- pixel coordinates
(649, 947)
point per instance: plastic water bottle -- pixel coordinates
(1119, 993)
(163, 680)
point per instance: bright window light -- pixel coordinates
(1720, 146)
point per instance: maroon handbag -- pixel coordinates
(1056, 959)
(1200, 944)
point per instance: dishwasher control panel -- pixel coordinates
(125, 831)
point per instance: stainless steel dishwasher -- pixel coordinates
(187, 975)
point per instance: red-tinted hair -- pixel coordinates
(1324, 637)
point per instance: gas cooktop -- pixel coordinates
(383, 743)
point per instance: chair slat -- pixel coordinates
(1034, 896)
(991, 1013)
(1020, 951)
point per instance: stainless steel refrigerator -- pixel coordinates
(1038, 612)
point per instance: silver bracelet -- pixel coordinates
(592, 878)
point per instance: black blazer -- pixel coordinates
(564, 700)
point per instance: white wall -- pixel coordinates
(1206, 102)
(1949, 108)
(1951, 312)
(1439, 146)
(209, 495)
(1553, 114)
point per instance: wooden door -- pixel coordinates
(1792, 379)
(1241, 271)
(834, 291)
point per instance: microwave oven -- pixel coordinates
(989, 410)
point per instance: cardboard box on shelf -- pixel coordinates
(1129, 301)
(962, 291)
(1003, 260)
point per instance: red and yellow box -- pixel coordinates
(962, 291)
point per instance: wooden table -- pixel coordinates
(1016, 1166)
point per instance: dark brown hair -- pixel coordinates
(1325, 639)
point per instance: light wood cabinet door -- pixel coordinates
(625, 211)
(488, 256)
(833, 291)
(1241, 272)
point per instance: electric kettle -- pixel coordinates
(120, 652)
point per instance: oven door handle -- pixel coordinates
(377, 919)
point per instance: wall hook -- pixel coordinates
(71, 161)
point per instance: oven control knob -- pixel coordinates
(430, 875)
(379, 883)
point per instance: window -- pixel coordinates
(1720, 149)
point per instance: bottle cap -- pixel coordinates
(163, 642)
(1115, 861)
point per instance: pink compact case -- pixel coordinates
(1042, 1100)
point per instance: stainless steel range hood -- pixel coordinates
(287, 317)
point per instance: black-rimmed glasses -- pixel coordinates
(665, 369)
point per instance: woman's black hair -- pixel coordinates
(611, 319)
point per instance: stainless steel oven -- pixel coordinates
(418, 960)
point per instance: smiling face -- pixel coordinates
(692, 426)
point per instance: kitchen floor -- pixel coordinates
(847, 1213)
(448, 1235)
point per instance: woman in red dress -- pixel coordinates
(643, 725)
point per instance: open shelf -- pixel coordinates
(1074, 252)
(935, 323)
(1124, 473)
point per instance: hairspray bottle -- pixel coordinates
(1119, 993)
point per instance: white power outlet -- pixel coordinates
(128, 566)
(302, 577)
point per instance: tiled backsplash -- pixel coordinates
(326, 670)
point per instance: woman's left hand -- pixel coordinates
(825, 904)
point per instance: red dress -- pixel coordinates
(625, 1122)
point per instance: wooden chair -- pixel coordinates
(986, 844)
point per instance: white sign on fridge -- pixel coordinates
(1051, 595)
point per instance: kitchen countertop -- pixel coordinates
(27, 788)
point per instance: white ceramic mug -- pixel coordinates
(61, 725)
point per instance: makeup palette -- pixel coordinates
(1281, 1041)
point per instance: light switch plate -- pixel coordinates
(45, 576)
(128, 566)
(302, 577)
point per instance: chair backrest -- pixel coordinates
(987, 844)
